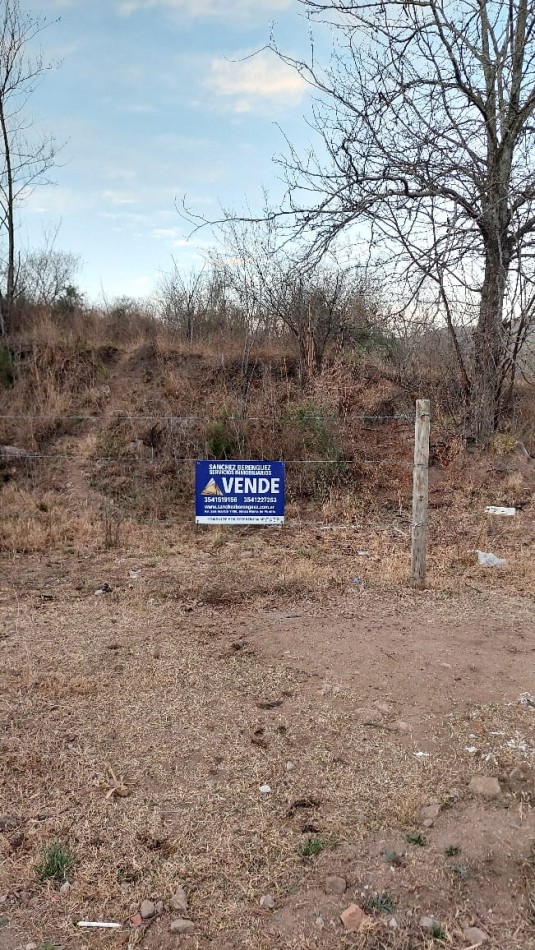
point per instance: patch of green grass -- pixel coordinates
(383, 903)
(393, 858)
(437, 932)
(416, 838)
(57, 861)
(452, 850)
(315, 845)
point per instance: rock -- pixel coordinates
(105, 589)
(8, 823)
(182, 926)
(319, 921)
(402, 726)
(385, 708)
(291, 766)
(475, 936)
(247, 554)
(147, 909)
(354, 918)
(369, 717)
(428, 823)
(393, 924)
(136, 920)
(485, 786)
(179, 901)
(267, 902)
(160, 907)
(65, 889)
(429, 923)
(455, 794)
(335, 884)
(31, 946)
(265, 790)
(430, 812)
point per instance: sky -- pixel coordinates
(154, 100)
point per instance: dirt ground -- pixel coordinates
(138, 725)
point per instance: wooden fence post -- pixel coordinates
(420, 492)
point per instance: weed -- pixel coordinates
(42, 506)
(7, 370)
(393, 858)
(48, 945)
(460, 870)
(57, 861)
(111, 524)
(416, 838)
(383, 903)
(221, 442)
(315, 845)
(452, 850)
(437, 932)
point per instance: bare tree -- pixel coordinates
(45, 274)
(426, 118)
(318, 302)
(182, 300)
(24, 158)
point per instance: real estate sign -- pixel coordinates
(239, 492)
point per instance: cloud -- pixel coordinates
(119, 197)
(261, 78)
(207, 8)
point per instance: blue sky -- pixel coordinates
(154, 100)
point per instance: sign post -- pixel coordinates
(239, 493)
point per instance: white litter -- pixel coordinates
(265, 789)
(99, 923)
(499, 510)
(487, 559)
(470, 748)
(422, 755)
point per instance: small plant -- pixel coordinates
(393, 858)
(460, 870)
(7, 370)
(48, 945)
(312, 847)
(315, 845)
(57, 861)
(437, 931)
(383, 903)
(416, 838)
(452, 850)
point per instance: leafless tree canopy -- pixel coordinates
(25, 157)
(426, 118)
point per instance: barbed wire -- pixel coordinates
(28, 456)
(120, 416)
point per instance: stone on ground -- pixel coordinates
(475, 936)
(182, 926)
(485, 786)
(334, 884)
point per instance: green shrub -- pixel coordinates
(7, 369)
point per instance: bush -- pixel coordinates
(7, 369)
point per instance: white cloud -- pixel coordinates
(207, 8)
(263, 77)
(119, 198)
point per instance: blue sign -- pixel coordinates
(239, 492)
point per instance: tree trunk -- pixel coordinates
(488, 355)
(8, 295)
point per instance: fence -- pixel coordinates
(174, 443)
